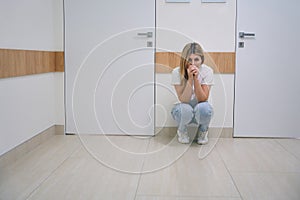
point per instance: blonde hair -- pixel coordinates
(190, 48)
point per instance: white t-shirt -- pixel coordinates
(206, 77)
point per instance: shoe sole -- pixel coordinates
(202, 143)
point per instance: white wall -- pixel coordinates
(31, 24)
(30, 104)
(59, 98)
(213, 26)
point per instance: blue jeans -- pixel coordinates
(184, 114)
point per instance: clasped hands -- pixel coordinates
(193, 71)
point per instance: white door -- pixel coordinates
(267, 92)
(109, 66)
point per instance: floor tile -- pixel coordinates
(20, 178)
(82, 177)
(268, 185)
(163, 152)
(144, 168)
(291, 145)
(256, 155)
(184, 198)
(187, 175)
(121, 153)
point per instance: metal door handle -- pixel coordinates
(147, 34)
(243, 34)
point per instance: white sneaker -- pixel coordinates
(183, 137)
(202, 137)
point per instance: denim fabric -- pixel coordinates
(199, 114)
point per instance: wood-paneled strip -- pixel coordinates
(26, 62)
(221, 62)
(59, 62)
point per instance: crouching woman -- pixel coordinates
(192, 81)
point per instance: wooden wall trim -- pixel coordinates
(27, 62)
(221, 62)
(59, 61)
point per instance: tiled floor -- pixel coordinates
(123, 167)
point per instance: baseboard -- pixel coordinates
(214, 132)
(27, 146)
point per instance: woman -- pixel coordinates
(192, 81)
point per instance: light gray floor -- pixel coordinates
(123, 167)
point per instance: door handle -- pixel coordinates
(243, 34)
(147, 34)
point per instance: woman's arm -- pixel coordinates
(184, 91)
(201, 91)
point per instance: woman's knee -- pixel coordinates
(183, 113)
(203, 111)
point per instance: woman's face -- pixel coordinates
(195, 60)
